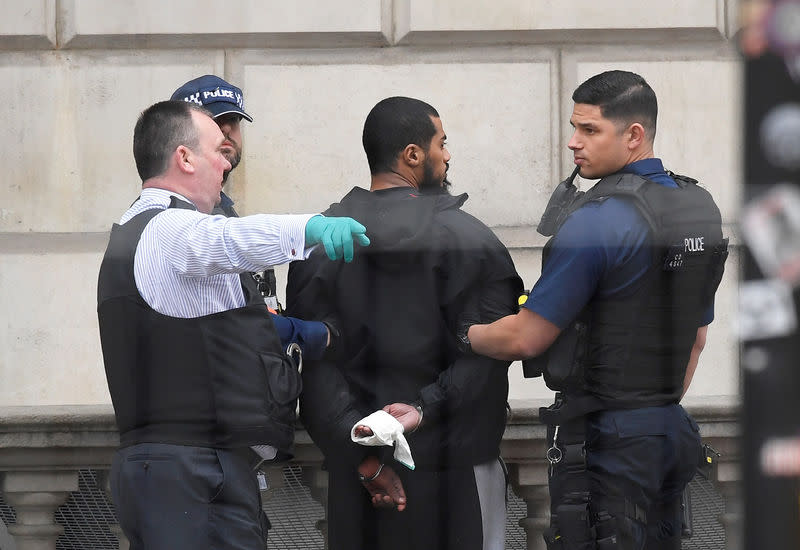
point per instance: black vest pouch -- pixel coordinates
(563, 363)
(284, 385)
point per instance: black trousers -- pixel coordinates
(443, 512)
(173, 497)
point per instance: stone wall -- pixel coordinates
(76, 73)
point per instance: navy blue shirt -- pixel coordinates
(602, 250)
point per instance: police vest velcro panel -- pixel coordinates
(219, 380)
(639, 346)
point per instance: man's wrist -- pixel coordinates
(373, 477)
(421, 413)
(464, 343)
(333, 335)
(369, 469)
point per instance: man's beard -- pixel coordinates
(430, 185)
(234, 161)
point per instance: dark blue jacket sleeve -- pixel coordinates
(312, 336)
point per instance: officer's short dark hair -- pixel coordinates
(391, 125)
(622, 96)
(161, 128)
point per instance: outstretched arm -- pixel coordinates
(521, 336)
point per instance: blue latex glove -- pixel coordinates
(336, 235)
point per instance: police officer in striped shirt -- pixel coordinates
(194, 365)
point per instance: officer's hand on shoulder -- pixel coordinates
(336, 235)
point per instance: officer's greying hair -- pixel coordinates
(622, 96)
(161, 128)
(391, 125)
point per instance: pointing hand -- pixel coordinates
(336, 235)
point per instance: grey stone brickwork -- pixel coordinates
(76, 73)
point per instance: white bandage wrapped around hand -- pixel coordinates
(386, 430)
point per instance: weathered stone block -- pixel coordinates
(304, 149)
(27, 25)
(537, 21)
(49, 342)
(734, 16)
(209, 24)
(69, 120)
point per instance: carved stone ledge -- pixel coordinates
(42, 448)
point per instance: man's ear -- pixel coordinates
(636, 135)
(413, 155)
(184, 159)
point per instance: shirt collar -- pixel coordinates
(157, 194)
(645, 167)
(651, 169)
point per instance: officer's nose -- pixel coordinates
(573, 142)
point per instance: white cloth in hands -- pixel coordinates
(386, 430)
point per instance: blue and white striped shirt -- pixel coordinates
(187, 263)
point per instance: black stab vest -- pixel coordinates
(214, 381)
(633, 351)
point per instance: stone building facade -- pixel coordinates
(76, 73)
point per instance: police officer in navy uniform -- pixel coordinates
(616, 323)
(226, 104)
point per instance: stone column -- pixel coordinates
(317, 480)
(104, 482)
(35, 496)
(529, 481)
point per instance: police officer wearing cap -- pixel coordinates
(226, 104)
(616, 324)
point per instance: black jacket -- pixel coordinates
(396, 306)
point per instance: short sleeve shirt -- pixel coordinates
(601, 251)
